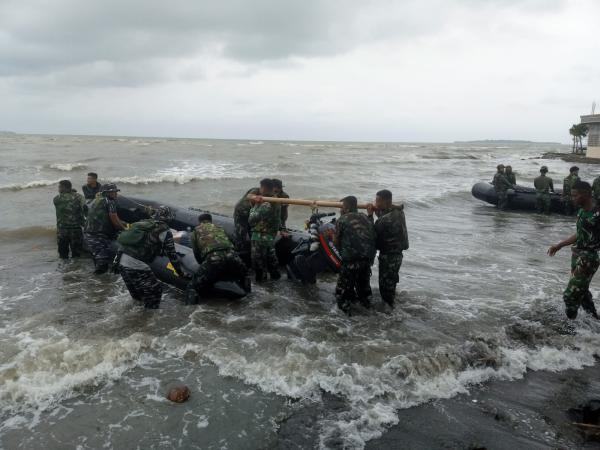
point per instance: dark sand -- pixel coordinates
(531, 413)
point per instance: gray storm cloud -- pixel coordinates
(113, 42)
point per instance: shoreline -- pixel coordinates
(571, 157)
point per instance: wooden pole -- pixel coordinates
(303, 202)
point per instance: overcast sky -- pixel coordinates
(400, 70)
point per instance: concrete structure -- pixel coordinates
(593, 145)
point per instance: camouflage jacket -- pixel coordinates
(501, 183)
(355, 237)
(587, 236)
(511, 177)
(265, 219)
(596, 188)
(242, 208)
(98, 220)
(543, 184)
(69, 210)
(568, 183)
(208, 238)
(390, 228)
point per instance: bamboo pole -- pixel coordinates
(303, 202)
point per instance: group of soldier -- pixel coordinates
(505, 183)
(258, 225)
(584, 199)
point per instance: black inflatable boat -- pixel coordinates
(522, 198)
(304, 254)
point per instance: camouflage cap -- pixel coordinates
(163, 213)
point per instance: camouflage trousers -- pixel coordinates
(354, 282)
(568, 207)
(264, 257)
(219, 266)
(100, 248)
(242, 240)
(542, 202)
(389, 266)
(584, 264)
(142, 286)
(502, 199)
(69, 238)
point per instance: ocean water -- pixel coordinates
(83, 366)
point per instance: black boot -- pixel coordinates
(275, 275)
(389, 299)
(100, 269)
(247, 284)
(260, 276)
(191, 296)
(588, 305)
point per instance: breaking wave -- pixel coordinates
(67, 167)
(29, 185)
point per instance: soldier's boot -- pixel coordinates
(588, 305)
(100, 269)
(191, 296)
(389, 299)
(260, 276)
(275, 275)
(247, 283)
(365, 302)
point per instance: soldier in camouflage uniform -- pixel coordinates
(154, 238)
(392, 240)
(102, 226)
(241, 213)
(501, 185)
(510, 175)
(69, 220)
(596, 189)
(265, 220)
(355, 240)
(280, 193)
(584, 259)
(543, 186)
(217, 258)
(568, 183)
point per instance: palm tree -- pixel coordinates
(578, 131)
(573, 132)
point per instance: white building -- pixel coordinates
(593, 145)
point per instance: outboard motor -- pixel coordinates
(315, 254)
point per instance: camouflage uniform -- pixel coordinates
(241, 214)
(584, 263)
(69, 220)
(265, 220)
(90, 192)
(217, 258)
(284, 209)
(543, 185)
(568, 183)
(501, 185)
(134, 262)
(391, 241)
(596, 189)
(99, 230)
(511, 177)
(355, 239)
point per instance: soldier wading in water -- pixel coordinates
(584, 259)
